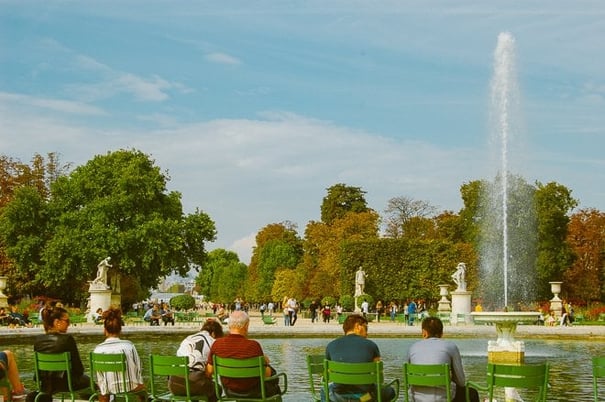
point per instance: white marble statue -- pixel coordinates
(360, 282)
(459, 277)
(102, 269)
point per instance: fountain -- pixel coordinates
(505, 349)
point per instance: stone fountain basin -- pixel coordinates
(496, 317)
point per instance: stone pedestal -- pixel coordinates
(100, 296)
(461, 304)
(3, 298)
(556, 304)
(444, 303)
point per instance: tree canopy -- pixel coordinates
(115, 205)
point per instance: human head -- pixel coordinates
(238, 322)
(213, 327)
(432, 327)
(55, 319)
(355, 323)
(112, 321)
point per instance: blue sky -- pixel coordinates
(255, 108)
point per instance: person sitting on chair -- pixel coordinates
(9, 370)
(434, 350)
(152, 316)
(110, 383)
(354, 347)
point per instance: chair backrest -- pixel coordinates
(239, 368)
(598, 371)
(315, 368)
(427, 375)
(109, 367)
(354, 374)
(526, 376)
(52, 363)
(163, 366)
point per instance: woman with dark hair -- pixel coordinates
(57, 340)
(109, 383)
(196, 348)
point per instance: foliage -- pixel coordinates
(277, 246)
(116, 205)
(321, 265)
(586, 237)
(347, 302)
(328, 300)
(222, 276)
(182, 302)
(553, 202)
(401, 211)
(341, 200)
(367, 298)
(399, 269)
(287, 284)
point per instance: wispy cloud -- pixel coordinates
(222, 58)
(55, 105)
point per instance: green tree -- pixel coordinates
(116, 205)
(340, 200)
(554, 203)
(222, 276)
(277, 246)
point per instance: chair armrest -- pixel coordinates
(395, 387)
(276, 377)
(478, 387)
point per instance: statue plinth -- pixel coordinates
(461, 305)
(100, 297)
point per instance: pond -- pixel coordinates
(570, 375)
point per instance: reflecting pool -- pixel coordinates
(570, 375)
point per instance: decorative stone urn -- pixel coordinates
(556, 304)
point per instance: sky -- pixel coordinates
(255, 108)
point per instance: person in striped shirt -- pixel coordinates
(110, 383)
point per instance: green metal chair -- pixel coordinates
(527, 376)
(598, 371)
(427, 375)
(164, 366)
(246, 368)
(48, 363)
(315, 368)
(357, 374)
(111, 367)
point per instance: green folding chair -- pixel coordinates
(315, 368)
(357, 374)
(164, 366)
(598, 371)
(46, 364)
(111, 367)
(525, 376)
(427, 375)
(246, 368)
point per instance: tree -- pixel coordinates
(277, 246)
(116, 205)
(554, 203)
(586, 237)
(401, 210)
(340, 200)
(222, 276)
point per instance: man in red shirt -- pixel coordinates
(237, 345)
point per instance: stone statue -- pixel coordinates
(102, 269)
(459, 276)
(360, 282)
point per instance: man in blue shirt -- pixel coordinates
(354, 347)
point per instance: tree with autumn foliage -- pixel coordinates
(278, 247)
(584, 280)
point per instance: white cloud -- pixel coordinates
(222, 58)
